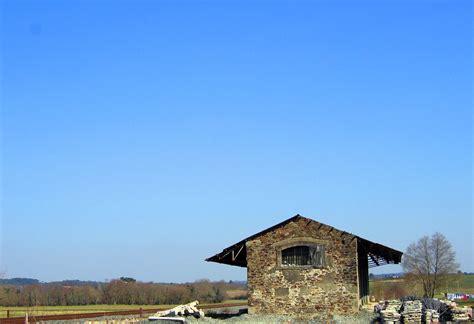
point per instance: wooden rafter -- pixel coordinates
(374, 259)
(234, 257)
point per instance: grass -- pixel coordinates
(57, 310)
(237, 294)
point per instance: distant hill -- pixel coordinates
(19, 281)
(29, 281)
(373, 276)
(76, 283)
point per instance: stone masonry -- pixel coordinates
(303, 291)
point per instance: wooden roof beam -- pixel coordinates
(374, 259)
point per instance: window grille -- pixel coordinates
(303, 255)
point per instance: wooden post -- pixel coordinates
(26, 318)
(141, 312)
(8, 313)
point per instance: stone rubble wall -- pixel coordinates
(306, 292)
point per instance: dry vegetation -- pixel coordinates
(118, 292)
(41, 299)
(407, 286)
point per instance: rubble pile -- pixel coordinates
(461, 314)
(424, 310)
(431, 316)
(412, 311)
(181, 310)
(390, 313)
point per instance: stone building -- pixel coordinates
(304, 268)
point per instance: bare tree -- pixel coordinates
(430, 261)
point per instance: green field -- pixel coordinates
(56, 310)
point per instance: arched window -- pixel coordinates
(303, 255)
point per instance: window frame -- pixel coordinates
(304, 253)
(309, 242)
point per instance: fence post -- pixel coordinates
(8, 313)
(26, 318)
(141, 312)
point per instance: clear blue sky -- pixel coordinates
(140, 137)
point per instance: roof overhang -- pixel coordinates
(377, 254)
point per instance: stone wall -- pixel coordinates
(304, 292)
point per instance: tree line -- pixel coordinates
(118, 291)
